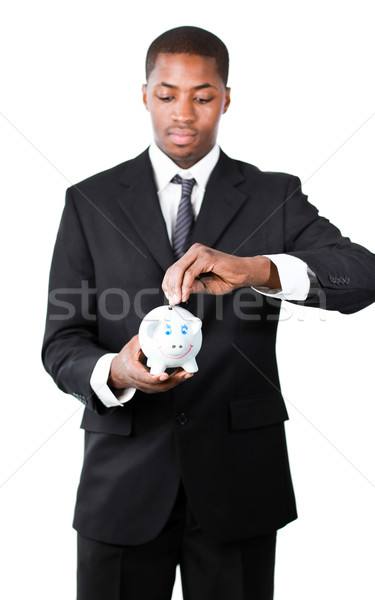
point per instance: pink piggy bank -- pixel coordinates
(170, 337)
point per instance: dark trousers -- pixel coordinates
(210, 570)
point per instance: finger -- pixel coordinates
(129, 370)
(154, 383)
(204, 284)
(170, 285)
(194, 281)
(178, 370)
(173, 381)
(143, 375)
(173, 277)
(179, 376)
(176, 378)
(138, 371)
(131, 362)
(181, 280)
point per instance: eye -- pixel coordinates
(166, 98)
(184, 329)
(203, 100)
(168, 329)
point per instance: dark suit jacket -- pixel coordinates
(222, 432)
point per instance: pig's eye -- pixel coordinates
(184, 329)
(168, 329)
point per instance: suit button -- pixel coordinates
(182, 419)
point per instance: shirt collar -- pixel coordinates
(165, 169)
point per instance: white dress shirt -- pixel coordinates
(295, 276)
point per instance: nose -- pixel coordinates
(184, 110)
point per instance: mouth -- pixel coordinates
(174, 357)
(182, 137)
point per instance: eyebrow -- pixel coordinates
(197, 87)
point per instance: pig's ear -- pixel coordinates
(195, 325)
(151, 327)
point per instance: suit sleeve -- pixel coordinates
(70, 346)
(344, 270)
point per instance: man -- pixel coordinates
(183, 469)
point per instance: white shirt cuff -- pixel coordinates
(98, 382)
(295, 277)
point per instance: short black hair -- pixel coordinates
(189, 40)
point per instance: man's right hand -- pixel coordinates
(127, 370)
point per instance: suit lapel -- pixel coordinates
(222, 200)
(140, 203)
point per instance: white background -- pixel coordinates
(302, 102)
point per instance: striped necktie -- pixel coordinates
(185, 217)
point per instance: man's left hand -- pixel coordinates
(205, 270)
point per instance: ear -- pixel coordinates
(195, 325)
(227, 100)
(144, 95)
(150, 328)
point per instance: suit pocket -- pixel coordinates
(258, 411)
(117, 421)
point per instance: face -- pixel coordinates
(186, 97)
